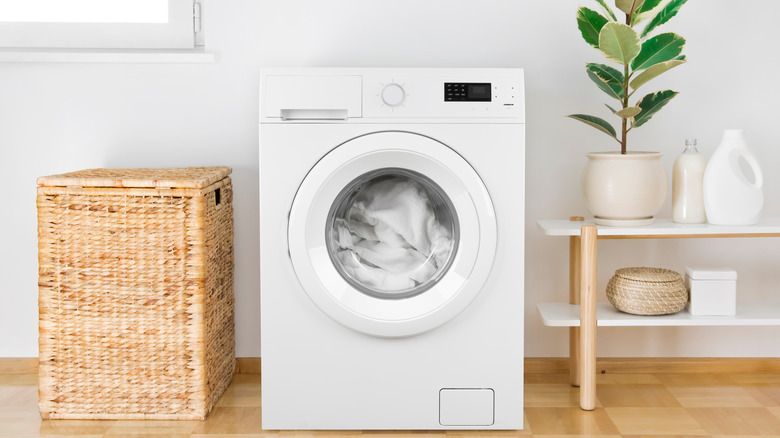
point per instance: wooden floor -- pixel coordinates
(629, 405)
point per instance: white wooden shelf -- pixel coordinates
(663, 228)
(583, 248)
(748, 314)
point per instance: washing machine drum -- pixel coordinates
(392, 234)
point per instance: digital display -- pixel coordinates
(478, 91)
(467, 92)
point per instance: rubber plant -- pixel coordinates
(640, 56)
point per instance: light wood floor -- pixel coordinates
(629, 405)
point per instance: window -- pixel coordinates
(99, 24)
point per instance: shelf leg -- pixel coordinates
(574, 298)
(589, 238)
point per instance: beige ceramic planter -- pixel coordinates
(624, 190)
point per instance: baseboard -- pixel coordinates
(540, 365)
(18, 365)
(247, 365)
(660, 365)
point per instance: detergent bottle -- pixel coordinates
(687, 190)
(732, 197)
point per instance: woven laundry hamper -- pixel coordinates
(647, 291)
(136, 307)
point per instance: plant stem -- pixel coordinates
(624, 121)
(625, 105)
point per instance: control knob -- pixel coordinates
(393, 94)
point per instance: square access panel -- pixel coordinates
(466, 407)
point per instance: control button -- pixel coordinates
(393, 95)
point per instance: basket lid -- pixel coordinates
(170, 177)
(648, 274)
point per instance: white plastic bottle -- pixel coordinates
(730, 196)
(687, 186)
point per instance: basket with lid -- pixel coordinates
(136, 306)
(647, 291)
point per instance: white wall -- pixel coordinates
(61, 117)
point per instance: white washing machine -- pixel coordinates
(392, 240)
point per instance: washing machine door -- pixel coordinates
(392, 234)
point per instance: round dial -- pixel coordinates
(393, 94)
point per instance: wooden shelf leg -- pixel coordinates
(588, 243)
(574, 298)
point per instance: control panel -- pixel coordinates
(433, 96)
(469, 95)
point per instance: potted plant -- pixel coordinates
(628, 188)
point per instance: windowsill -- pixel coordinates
(195, 56)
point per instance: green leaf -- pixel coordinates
(660, 48)
(664, 15)
(618, 42)
(629, 112)
(614, 111)
(607, 9)
(596, 122)
(606, 72)
(590, 23)
(654, 71)
(629, 6)
(651, 104)
(647, 10)
(610, 89)
(608, 79)
(649, 5)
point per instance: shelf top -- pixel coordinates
(664, 228)
(748, 314)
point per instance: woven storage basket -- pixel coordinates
(135, 293)
(647, 291)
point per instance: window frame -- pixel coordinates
(178, 33)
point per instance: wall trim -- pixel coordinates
(540, 365)
(18, 365)
(660, 365)
(247, 365)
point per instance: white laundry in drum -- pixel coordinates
(390, 238)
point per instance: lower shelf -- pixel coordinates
(568, 315)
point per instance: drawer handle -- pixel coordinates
(314, 114)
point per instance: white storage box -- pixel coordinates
(712, 291)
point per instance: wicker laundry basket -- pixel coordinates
(647, 291)
(136, 313)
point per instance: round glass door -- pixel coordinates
(392, 234)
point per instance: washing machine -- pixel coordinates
(392, 240)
